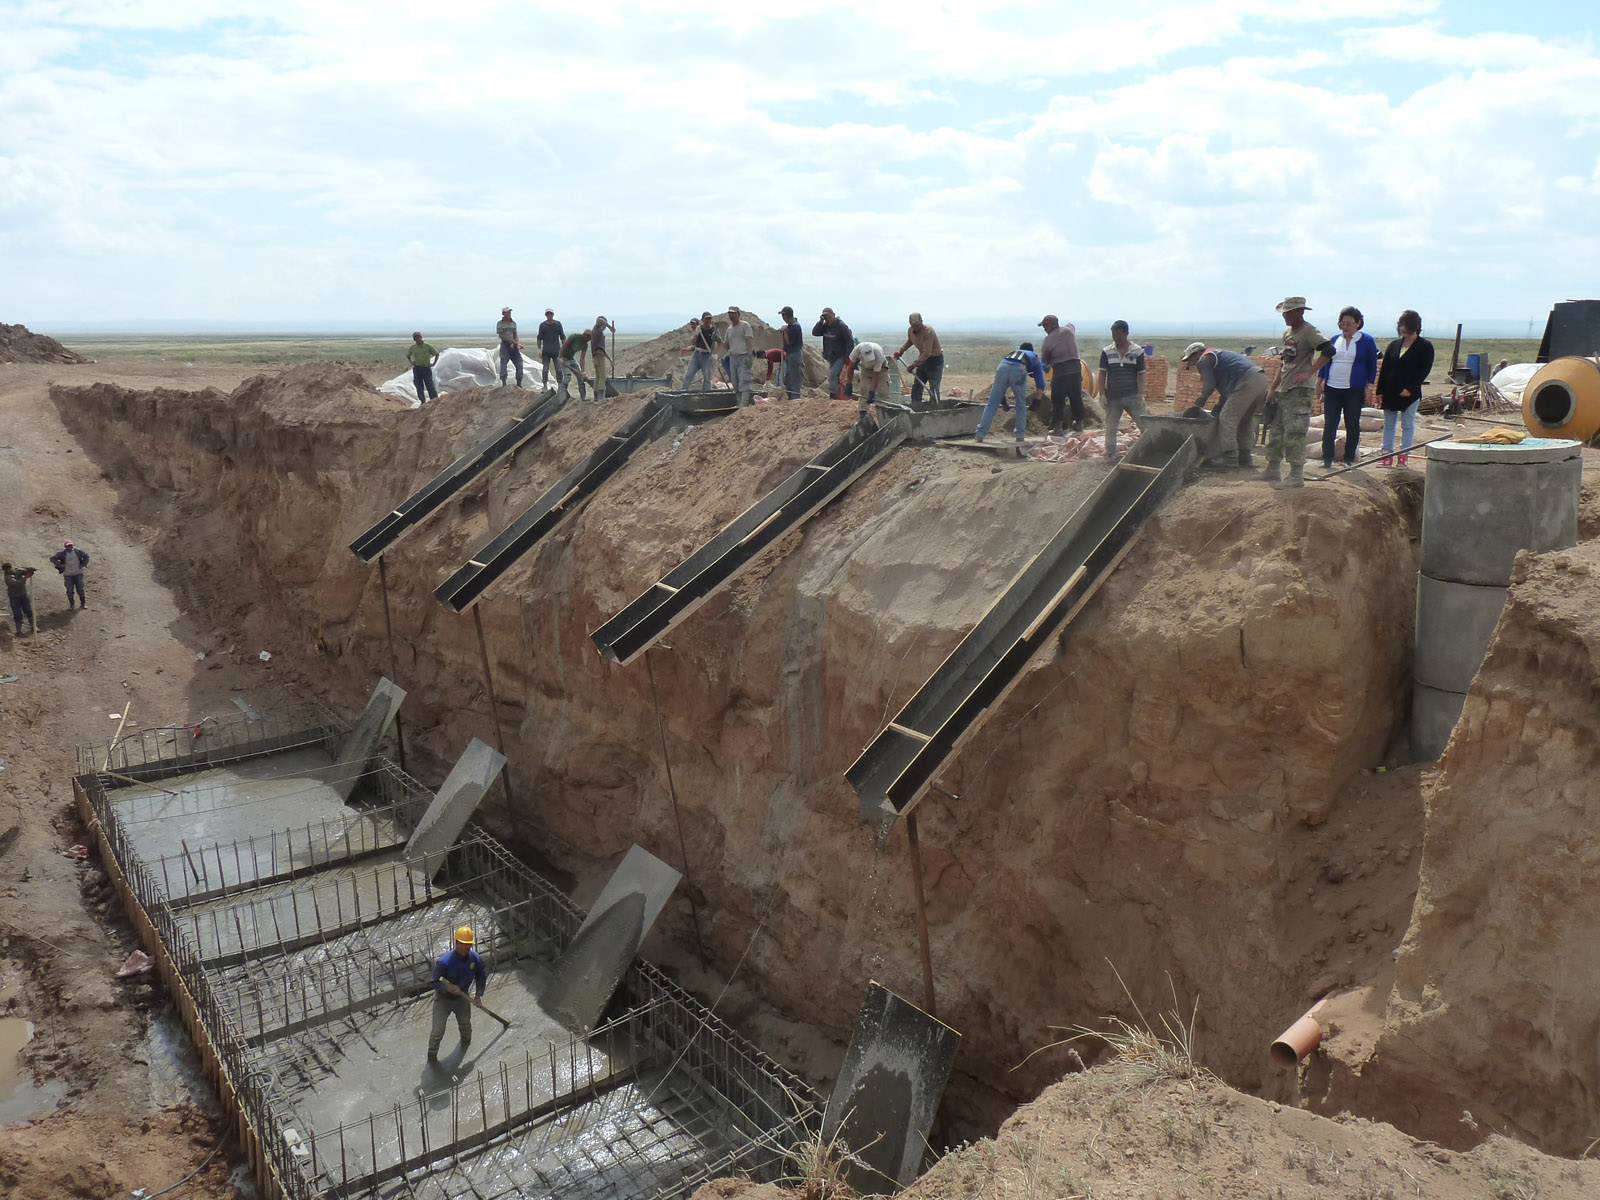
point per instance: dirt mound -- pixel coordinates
(662, 357)
(1491, 1025)
(92, 1158)
(19, 344)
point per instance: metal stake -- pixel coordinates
(394, 670)
(922, 914)
(677, 817)
(494, 718)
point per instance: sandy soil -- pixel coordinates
(118, 1128)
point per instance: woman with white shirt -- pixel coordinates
(1346, 384)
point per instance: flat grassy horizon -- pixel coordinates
(965, 353)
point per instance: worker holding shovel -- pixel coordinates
(455, 973)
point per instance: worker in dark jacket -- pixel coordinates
(550, 336)
(1405, 368)
(70, 562)
(17, 592)
(455, 973)
(837, 342)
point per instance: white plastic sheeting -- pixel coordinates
(1510, 381)
(458, 369)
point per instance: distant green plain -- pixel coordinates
(965, 353)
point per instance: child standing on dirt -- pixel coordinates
(17, 592)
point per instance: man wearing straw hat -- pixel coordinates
(456, 972)
(1305, 351)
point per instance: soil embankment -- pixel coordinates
(19, 344)
(1180, 789)
(1492, 1024)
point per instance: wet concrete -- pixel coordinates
(231, 826)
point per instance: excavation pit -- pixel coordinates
(298, 939)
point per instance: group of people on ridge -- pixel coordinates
(1344, 373)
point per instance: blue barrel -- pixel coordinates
(1474, 366)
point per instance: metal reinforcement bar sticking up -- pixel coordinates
(448, 483)
(493, 559)
(895, 770)
(688, 585)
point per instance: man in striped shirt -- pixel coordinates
(1121, 382)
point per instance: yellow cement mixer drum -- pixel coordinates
(1563, 400)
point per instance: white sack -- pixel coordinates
(457, 370)
(1510, 381)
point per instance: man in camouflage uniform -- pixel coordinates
(1305, 351)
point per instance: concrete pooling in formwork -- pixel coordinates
(308, 989)
(1482, 504)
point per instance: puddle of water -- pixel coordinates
(20, 1097)
(175, 1072)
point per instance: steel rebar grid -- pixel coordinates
(252, 1089)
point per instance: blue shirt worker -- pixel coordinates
(1012, 374)
(455, 973)
(1241, 388)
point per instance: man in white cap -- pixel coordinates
(872, 363)
(71, 561)
(738, 339)
(1241, 389)
(1305, 351)
(510, 348)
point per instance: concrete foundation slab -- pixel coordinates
(351, 760)
(1455, 623)
(888, 1090)
(1434, 713)
(454, 803)
(593, 965)
(229, 827)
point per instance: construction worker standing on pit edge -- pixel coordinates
(510, 349)
(599, 356)
(1305, 351)
(455, 973)
(422, 356)
(929, 367)
(550, 337)
(738, 339)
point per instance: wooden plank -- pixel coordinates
(910, 732)
(1044, 613)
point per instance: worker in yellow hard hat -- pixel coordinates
(456, 972)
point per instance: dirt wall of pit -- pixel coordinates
(1493, 1023)
(1178, 789)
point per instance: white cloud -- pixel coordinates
(354, 160)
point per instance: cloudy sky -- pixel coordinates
(298, 163)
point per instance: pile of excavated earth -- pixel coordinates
(1200, 802)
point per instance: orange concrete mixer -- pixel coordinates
(1563, 400)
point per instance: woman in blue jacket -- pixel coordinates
(1346, 383)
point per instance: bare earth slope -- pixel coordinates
(1179, 788)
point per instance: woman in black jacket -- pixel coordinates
(1405, 368)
